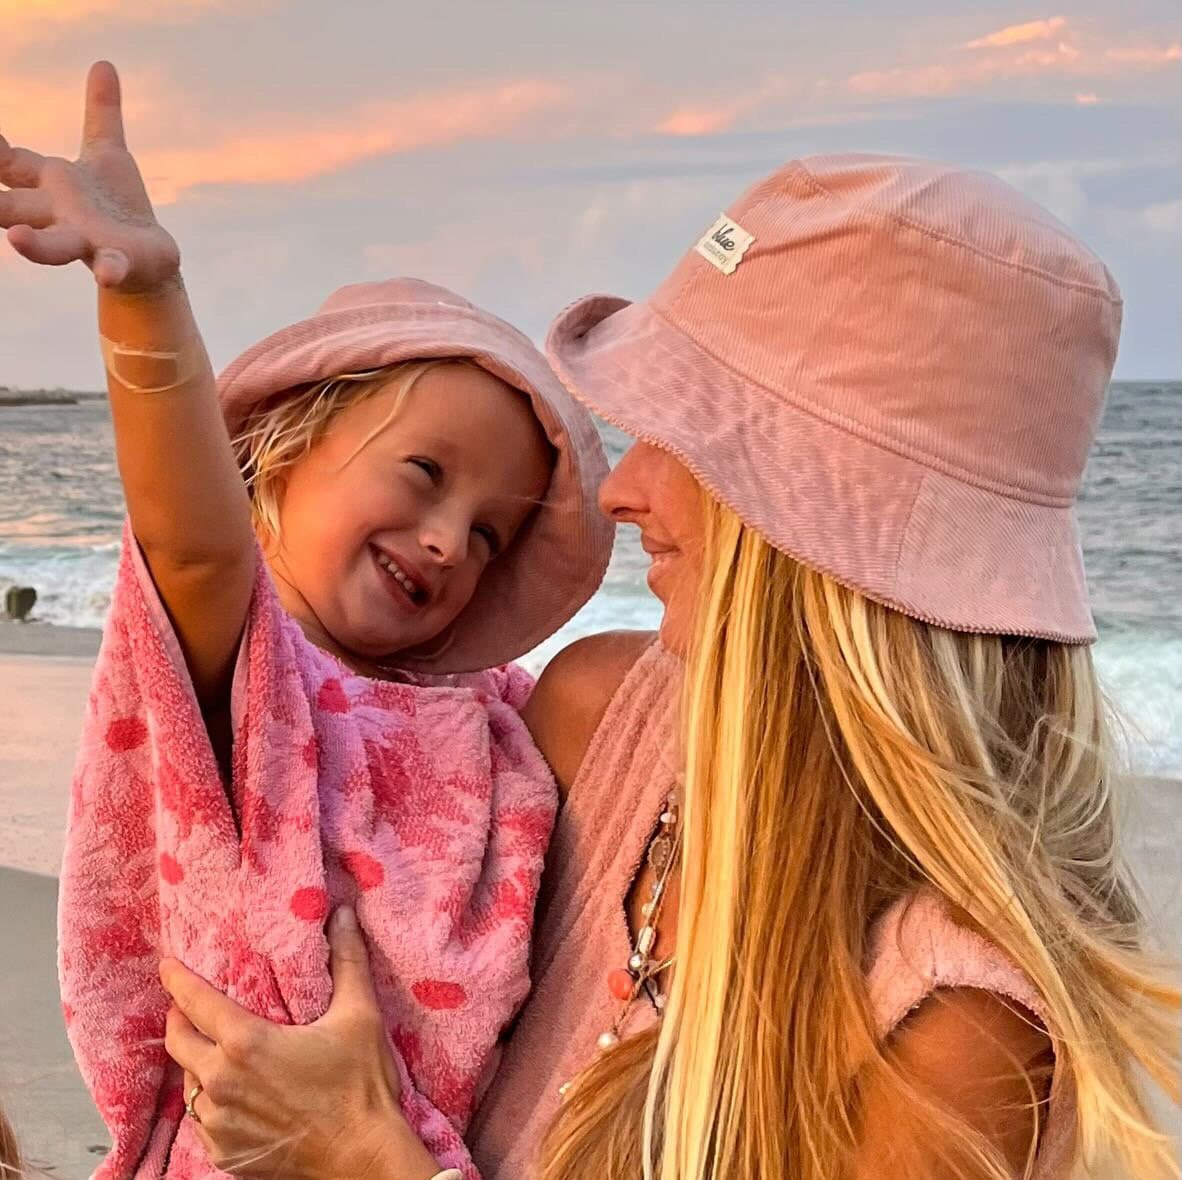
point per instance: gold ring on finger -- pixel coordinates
(190, 1110)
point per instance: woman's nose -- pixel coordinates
(623, 494)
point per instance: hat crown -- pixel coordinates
(391, 291)
(930, 309)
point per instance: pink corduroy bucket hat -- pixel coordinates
(559, 557)
(892, 369)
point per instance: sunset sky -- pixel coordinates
(529, 151)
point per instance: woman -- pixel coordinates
(884, 929)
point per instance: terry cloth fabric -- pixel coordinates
(916, 949)
(599, 843)
(427, 808)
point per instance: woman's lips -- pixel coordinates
(660, 554)
(659, 562)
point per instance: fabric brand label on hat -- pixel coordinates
(724, 244)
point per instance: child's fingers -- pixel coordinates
(103, 121)
(25, 207)
(50, 247)
(19, 167)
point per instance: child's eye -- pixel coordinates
(433, 470)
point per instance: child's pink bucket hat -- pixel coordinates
(893, 369)
(559, 557)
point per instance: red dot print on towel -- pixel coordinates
(311, 753)
(364, 869)
(310, 904)
(128, 733)
(170, 869)
(172, 1104)
(331, 697)
(119, 940)
(435, 993)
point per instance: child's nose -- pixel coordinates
(446, 541)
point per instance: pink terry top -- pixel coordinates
(426, 808)
(582, 931)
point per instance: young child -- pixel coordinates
(404, 496)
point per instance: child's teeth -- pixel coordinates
(397, 574)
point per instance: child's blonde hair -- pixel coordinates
(840, 755)
(280, 432)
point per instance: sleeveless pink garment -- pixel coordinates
(582, 932)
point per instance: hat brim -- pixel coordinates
(922, 541)
(558, 559)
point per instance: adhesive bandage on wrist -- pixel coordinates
(141, 370)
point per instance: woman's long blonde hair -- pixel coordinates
(840, 755)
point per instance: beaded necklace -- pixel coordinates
(642, 974)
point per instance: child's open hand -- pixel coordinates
(94, 210)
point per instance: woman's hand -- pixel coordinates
(311, 1102)
(94, 210)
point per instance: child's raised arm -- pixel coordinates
(186, 499)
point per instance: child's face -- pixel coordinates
(381, 547)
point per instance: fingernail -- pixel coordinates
(344, 918)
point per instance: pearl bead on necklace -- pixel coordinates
(627, 983)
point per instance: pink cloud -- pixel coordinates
(1087, 100)
(29, 20)
(48, 116)
(1146, 55)
(1063, 57)
(291, 154)
(699, 119)
(45, 113)
(920, 81)
(1034, 30)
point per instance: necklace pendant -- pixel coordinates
(621, 983)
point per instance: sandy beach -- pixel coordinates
(44, 675)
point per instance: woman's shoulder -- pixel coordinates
(963, 1024)
(574, 692)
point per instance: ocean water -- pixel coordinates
(61, 510)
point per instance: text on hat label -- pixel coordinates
(724, 244)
